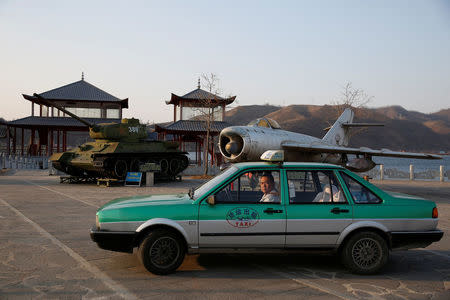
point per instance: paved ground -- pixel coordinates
(46, 253)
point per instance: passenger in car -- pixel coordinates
(325, 195)
(267, 185)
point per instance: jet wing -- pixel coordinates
(323, 148)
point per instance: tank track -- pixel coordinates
(117, 166)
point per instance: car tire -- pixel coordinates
(365, 253)
(161, 252)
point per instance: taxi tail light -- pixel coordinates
(434, 214)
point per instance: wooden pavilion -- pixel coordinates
(48, 127)
(189, 127)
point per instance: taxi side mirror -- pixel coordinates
(211, 200)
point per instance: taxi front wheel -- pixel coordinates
(161, 252)
(365, 253)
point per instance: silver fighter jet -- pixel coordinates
(247, 143)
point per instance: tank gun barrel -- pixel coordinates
(50, 103)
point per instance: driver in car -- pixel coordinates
(267, 185)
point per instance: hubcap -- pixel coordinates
(366, 253)
(164, 252)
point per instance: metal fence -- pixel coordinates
(23, 162)
(382, 172)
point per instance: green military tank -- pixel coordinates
(118, 148)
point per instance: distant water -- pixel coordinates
(420, 165)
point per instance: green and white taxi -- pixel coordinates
(270, 207)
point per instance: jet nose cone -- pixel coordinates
(232, 147)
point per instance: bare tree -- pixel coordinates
(351, 98)
(210, 82)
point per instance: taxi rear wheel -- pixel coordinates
(161, 252)
(365, 253)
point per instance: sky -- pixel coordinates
(264, 52)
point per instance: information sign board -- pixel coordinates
(133, 179)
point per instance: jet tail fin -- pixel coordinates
(338, 133)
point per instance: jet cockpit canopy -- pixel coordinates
(265, 122)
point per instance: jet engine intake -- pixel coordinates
(231, 145)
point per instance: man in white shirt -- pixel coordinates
(267, 185)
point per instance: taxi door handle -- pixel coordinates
(337, 210)
(273, 211)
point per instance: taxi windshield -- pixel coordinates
(213, 182)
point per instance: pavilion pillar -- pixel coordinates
(39, 144)
(64, 146)
(15, 141)
(196, 152)
(57, 139)
(40, 110)
(102, 111)
(22, 141)
(213, 152)
(8, 145)
(32, 136)
(32, 108)
(200, 152)
(199, 146)
(46, 144)
(51, 142)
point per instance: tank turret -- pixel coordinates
(117, 149)
(128, 130)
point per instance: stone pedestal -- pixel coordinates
(149, 178)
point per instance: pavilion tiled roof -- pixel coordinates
(57, 122)
(199, 95)
(79, 91)
(192, 126)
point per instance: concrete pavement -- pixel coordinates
(46, 253)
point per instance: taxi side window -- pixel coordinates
(360, 193)
(314, 187)
(247, 188)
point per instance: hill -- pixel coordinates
(403, 129)
(242, 115)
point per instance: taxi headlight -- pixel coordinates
(97, 222)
